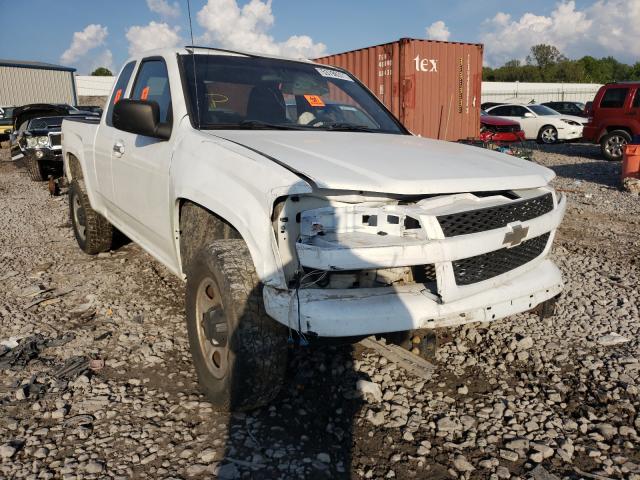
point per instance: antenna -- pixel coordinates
(193, 58)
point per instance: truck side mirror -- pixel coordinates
(528, 115)
(140, 117)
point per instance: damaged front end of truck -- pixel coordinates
(360, 264)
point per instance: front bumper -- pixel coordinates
(45, 154)
(570, 133)
(367, 311)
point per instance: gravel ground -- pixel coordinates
(101, 383)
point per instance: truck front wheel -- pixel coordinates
(93, 232)
(239, 352)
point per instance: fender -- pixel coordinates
(240, 186)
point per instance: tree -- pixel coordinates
(544, 56)
(102, 72)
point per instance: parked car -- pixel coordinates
(498, 129)
(37, 137)
(6, 122)
(290, 229)
(487, 105)
(541, 123)
(614, 118)
(567, 108)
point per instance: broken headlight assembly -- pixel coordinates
(349, 241)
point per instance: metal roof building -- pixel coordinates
(23, 82)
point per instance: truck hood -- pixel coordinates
(399, 164)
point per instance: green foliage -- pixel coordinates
(102, 72)
(545, 63)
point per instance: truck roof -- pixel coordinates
(188, 49)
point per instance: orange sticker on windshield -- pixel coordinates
(145, 93)
(116, 99)
(314, 100)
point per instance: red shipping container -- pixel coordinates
(432, 87)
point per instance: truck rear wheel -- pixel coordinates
(93, 232)
(34, 167)
(239, 352)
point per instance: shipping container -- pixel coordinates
(432, 87)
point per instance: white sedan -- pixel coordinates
(541, 123)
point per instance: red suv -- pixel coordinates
(614, 118)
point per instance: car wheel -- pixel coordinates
(35, 169)
(548, 135)
(239, 352)
(613, 143)
(93, 232)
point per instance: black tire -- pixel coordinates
(613, 143)
(548, 135)
(35, 169)
(249, 371)
(93, 232)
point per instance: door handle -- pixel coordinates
(118, 149)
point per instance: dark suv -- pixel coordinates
(614, 118)
(567, 108)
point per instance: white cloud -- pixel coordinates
(608, 27)
(163, 8)
(154, 35)
(103, 59)
(227, 25)
(438, 31)
(91, 37)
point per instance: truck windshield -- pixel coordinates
(237, 92)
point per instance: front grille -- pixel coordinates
(490, 218)
(488, 265)
(507, 128)
(56, 140)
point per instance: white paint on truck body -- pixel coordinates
(242, 176)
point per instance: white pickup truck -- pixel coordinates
(296, 206)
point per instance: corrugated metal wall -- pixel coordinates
(89, 86)
(20, 86)
(538, 92)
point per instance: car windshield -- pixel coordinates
(542, 110)
(237, 92)
(45, 123)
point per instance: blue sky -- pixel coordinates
(108, 30)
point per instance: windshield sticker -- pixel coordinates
(116, 99)
(145, 93)
(314, 100)
(329, 73)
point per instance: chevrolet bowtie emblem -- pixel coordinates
(515, 236)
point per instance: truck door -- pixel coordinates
(103, 145)
(140, 167)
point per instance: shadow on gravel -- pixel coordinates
(569, 149)
(307, 431)
(602, 172)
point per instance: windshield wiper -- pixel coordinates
(348, 127)
(259, 125)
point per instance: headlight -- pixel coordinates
(32, 142)
(571, 122)
(43, 141)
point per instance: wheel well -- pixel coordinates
(74, 167)
(198, 227)
(624, 129)
(545, 126)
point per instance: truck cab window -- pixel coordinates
(119, 90)
(152, 85)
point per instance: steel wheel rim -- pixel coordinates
(615, 145)
(216, 358)
(549, 135)
(79, 218)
